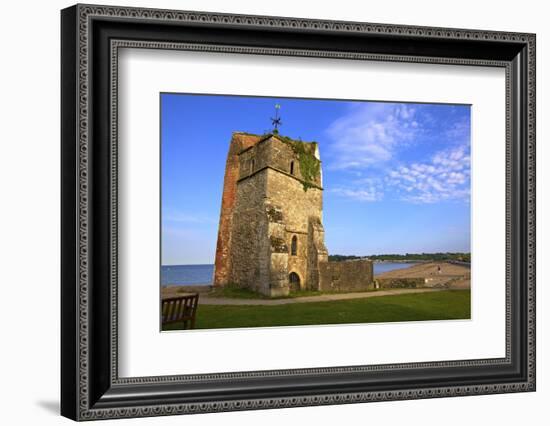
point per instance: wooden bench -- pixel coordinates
(180, 308)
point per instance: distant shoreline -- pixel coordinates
(459, 257)
(357, 257)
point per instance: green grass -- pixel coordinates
(440, 305)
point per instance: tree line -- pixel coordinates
(407, 257)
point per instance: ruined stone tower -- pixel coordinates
(271, 237)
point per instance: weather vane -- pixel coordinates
(277, 120)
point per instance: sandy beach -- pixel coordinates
(449, 275)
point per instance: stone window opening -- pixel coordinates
(292, 167)
(252, 166)
(294, 246)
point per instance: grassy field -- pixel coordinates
(440, 305)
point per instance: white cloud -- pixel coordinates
(368, 142)
(445, 177)
(360, 194)
(370, 133)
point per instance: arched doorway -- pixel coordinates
(294, 281)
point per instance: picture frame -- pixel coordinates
(90, 384)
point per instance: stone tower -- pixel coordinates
(271, 237)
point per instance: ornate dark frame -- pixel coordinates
(91, 37)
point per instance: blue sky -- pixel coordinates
(396, 175)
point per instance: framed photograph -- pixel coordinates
(263, 212)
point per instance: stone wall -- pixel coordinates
(278, 252)
(250, 246)
(239, 141)
(351, 275)
(299, 208)
(254, 158)
(400, 282)
(317, 252)
(276, 154)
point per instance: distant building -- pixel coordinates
(271, 235)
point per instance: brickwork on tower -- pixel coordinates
(239, 141)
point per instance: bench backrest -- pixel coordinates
(180, 308)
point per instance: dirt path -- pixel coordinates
(205, 300)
